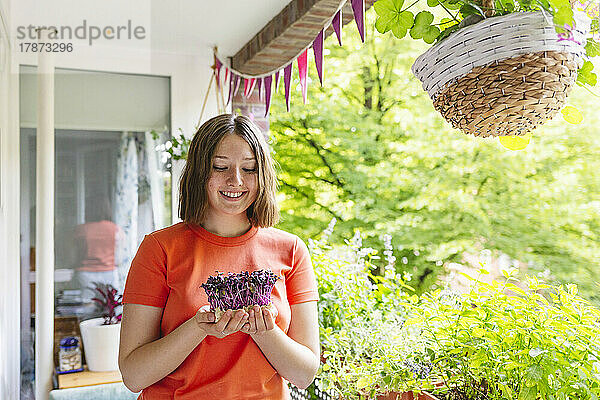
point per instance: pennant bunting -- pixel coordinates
(318, 51)
(276, 81)
(266, 84)
(249, 86)
(268, 80)
(303, 72)
(336, 22)
(260, 84)
(358, 8)
(287, 81)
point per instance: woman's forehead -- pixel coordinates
(234, 146)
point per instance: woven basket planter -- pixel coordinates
(504, 75)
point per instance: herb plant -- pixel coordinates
(360, 318)
(238, 291)
(109, 300)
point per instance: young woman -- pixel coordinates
(171, 346)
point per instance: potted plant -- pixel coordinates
(498, 67)
(101, 335)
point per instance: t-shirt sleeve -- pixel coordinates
(300, 282)
(147, 279)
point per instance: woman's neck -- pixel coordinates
(227, 226)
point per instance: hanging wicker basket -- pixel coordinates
(504, 75)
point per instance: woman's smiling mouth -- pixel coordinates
(232, 196)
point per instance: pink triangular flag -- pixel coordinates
(337, 25)
(276, 81)
(218, 66)
(260, 84)
(249, 86)
(287, 81)
(358, 7)
(318, 50)
(268, 80)
(303, 72)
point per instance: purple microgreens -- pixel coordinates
(238, 291)
(108, 300)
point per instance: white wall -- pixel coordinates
(9, 220)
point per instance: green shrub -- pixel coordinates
(538, 342)
(499, 341)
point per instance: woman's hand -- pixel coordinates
(260, 320)
(230, 322)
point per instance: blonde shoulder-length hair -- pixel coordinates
(193, 198)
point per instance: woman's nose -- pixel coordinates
(235, 177)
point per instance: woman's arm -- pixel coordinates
(295, 356)
(141, 346)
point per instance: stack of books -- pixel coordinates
(69, 302)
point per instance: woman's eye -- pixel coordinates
(249, 169)
(220, 168)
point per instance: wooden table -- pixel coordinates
(87, 378)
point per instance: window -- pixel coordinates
(112, 186)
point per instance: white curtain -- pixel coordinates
(157, 193)
(126, 205)
(139, 196)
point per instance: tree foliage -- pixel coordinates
(370, 150)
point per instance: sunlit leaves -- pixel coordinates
(422, 28)
(392, 17)
(586, 74)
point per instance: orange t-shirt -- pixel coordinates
(167, 272)
(98, 239)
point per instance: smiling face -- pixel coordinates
(232, 185)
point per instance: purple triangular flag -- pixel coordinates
(218, 66)
(318, 50)
(287, 81)
(337, 25)
(259, 84)
(268, 80)
(358, 7)
(276, 81)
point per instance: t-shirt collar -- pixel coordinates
(222, 240)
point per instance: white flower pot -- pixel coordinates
(100, 344)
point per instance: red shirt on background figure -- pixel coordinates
(97, 241)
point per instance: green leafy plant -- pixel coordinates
(395, 16)
(501, 340)
(361, 314)
(507, 340)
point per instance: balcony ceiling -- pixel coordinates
(185, 26)
(173, 26)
